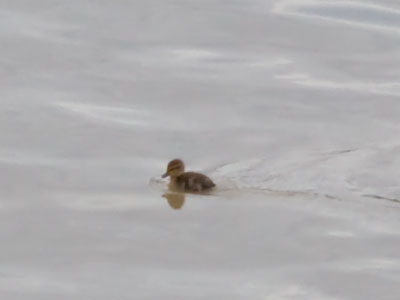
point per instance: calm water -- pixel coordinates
(292, 107)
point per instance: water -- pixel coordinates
(291, 107)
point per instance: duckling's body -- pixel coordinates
(192, 182)
(187, 181)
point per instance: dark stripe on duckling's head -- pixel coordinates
(175, 168)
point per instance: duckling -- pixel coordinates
(186, 181)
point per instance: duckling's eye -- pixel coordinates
(174, 168)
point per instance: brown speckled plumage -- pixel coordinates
(187, 181)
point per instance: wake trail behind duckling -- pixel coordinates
(349, 174)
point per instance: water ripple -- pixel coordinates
(366, 15)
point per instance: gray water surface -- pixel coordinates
(295, 118)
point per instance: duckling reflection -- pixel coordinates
(186, 181)
(175, 200)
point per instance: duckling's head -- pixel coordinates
(175, 168)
